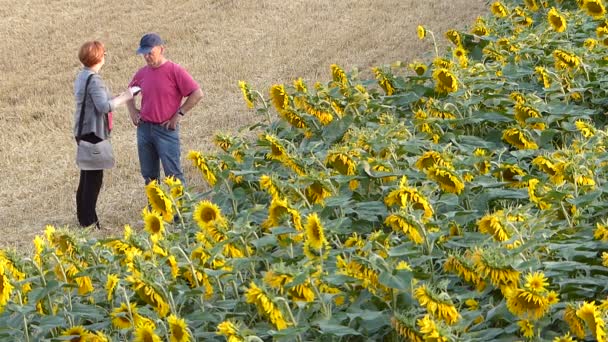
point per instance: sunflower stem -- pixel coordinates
(124, 293)
(232, 200)
(434, 42)
(65, 277)
(25, 325)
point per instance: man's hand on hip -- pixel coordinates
(135, 118)
(171, 124)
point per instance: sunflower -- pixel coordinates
(527, 304)
(300, 86)
(145, 333)
(575, 323)
(230, 330)
(246, 90)
(63, 243)
(511, 173)
(526, 328)
(440, 62)
(499, 10)
(532, 5)
(496, 268)
(404, 196)
(524, 112)
(480, 27)
(175, 185)
(543, 76)
(447, 179)
(6, 288)
(565, 60)
(277, 150)
(322, 114)
(535, 194)
(405, 224)
(98, 336)
(384, 81)
(266, 306)
(465, 270)
(302, 293)
(494, 224)
(85, 284)
(601, 232)
(153, 223)
(429, 330)
(406, 329)
(121, 316)
(367, 276)
(178, 330)
(111, 285)
(77, 334)
(293, 118)
(279, 97)
(517, 97)
(159, 201)
(316, 193)
(536, 282)
(436, 304)
(421, 32)
(445, 81)
(519, 139)
(590, 43)
(277, 210)
(418, 68)
(207, 213)
(556, 20)
(203, 165)
(461, 54)
(594, 8)
(564, 338)
(341, 162)
(585, 128)
(267, 183)
(554, 170)
(454, 37)
(315, 233)
(592, 316)
(338, 75)
(429, 159)
(149, 294)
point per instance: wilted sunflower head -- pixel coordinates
(279, 97)
(246, 90)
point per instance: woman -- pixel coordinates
(95, 126)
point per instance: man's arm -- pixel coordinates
(190, 102)
(133, 111)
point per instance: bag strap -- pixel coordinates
(84, 99)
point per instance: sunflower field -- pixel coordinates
(462, 199)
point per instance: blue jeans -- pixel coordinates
(155, 145)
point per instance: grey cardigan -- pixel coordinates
(97, 105)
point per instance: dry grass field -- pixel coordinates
(218, 41)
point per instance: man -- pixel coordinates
(164, 84)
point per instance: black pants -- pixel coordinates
(86, 196)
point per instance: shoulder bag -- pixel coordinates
(91, 156)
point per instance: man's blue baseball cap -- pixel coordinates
(148, 42)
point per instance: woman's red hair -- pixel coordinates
(91, 53)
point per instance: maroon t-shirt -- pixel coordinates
(162, 90)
